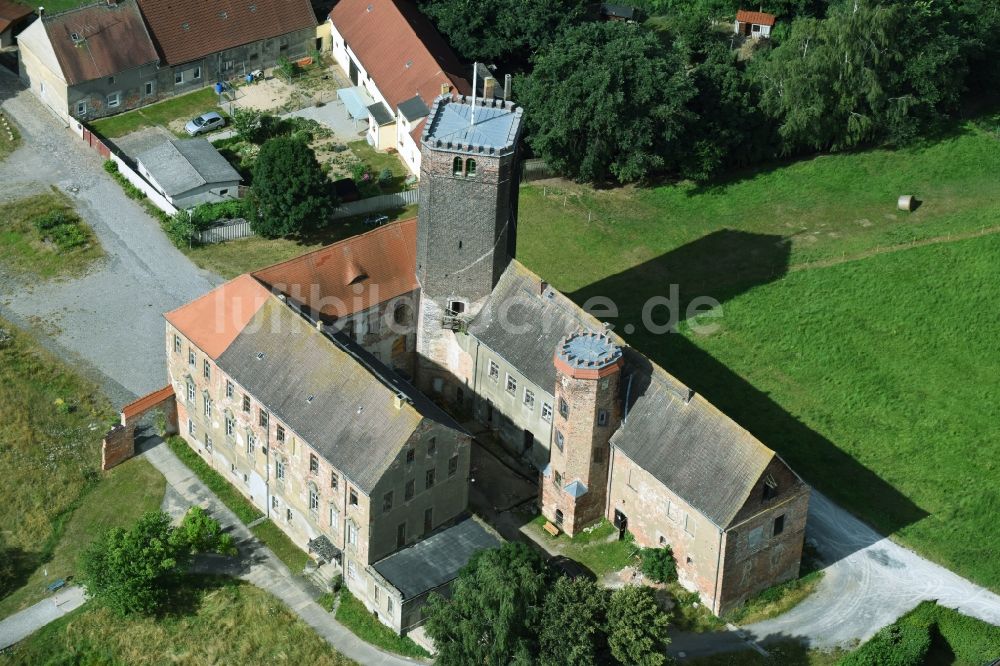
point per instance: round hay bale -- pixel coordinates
(906, 202)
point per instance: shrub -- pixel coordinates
(179, 229)
(385, 177)
(659, 565)
(203, 534)
(900, 644)
(51, 220)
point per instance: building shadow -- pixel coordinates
(723, 265)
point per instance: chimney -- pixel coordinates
(445, 88)
(543, 286)
(489, 87)
(319, 325)
(41, 12)
(506, 87)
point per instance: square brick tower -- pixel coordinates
(466, 227)
(588, 411)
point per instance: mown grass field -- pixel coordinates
(51, 424)
(182, 107)
(249, 254)
(233, 623)
(876, 378)
(31, 253)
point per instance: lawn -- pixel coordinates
(180, 108)
(599, 549)
(824, 208)
(36, 244)
(379, 160)
(51, 424)
(8, 129)
(122, 495)
(227, 494)
(294, 557)
(55, 6)
(231, 623)
(352, 614)
(249, 254)
(876, 378)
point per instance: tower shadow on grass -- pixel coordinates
(723, 265)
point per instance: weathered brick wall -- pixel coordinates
(655, 512)
(751, 565)
(585, 455)
(117, 447)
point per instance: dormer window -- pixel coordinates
(770, 487)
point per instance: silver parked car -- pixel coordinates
(206, 122)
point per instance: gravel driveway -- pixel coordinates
(112, 318)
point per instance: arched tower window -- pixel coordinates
(456, 166)
(470, 168)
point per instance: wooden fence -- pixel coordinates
(377, 204)
(536, 170)
(227, 231)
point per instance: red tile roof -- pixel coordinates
(760, 18)
(11, 13)
(109, 40)
(185, 30)
(352, 275)
(213, 321)
(137, 407)
(399, 48)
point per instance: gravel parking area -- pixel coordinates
(110, 321)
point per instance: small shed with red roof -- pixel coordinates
(756, 25)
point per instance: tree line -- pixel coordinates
(625, 102)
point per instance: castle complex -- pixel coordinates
(328, 387)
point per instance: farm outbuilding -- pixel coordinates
(756, 25)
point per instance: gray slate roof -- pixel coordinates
(685, 442)
(545, 319)
(380, 112)
(352, 420)
(184, 164)
(413, 108)
(436, 560)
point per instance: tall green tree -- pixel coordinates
(133, 571)
(604, 101)
(492, 617)
(871, 72)
(502, 31)
(573, 630)
(291, 194)
(637, 628)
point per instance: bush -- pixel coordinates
(131, 191)
(659, 565)
(385, 177)
(63, 229)
(901, 644)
